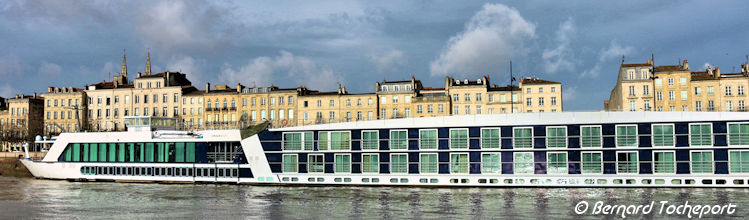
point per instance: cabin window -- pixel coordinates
(626, 135)
(663, 135)
(663, 162)
(290, 163)
(398, 140)
(459, 163)
(701, 134)
(590, 136)
(522, 137)
(370, 140)
(702, 161)
(459, 138)
(428, 139)
(490, 138)
(335, 140)
(738, 161)
(316, 163)
(370, 163)
(490, 163)
(626, 162)
(292, 140)
(428, 163)
(398, 163)
(342, 163)
(556, 163)
(592, 162)
(523, 163)
(738, 134)
(556, 137)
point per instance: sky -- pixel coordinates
(320, 44)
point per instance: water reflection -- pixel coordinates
(31, 198)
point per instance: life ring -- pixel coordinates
(284, 122)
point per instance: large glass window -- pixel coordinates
(738, 161)
(458, 138)
(398, 140)
(663, 162)
(428, 139)
(523, 163)
(592, 162)
(626, 162)
(370, 163)
(626, 135)
(490, 138)
(398, 163)
(738, 134)
(316, 163)
(700, 135)
(590, 136)
(334, 140)
(292, 140)
(702, 161)
(556, 163)
(459, 163)
(370, 140)
(428, 163)
(290, 163)
(522, 138)
(556, 137)
(663, 135)
(342, 163)
(491, 163)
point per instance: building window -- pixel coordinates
(683, 95)
(697, 90)
(370, 163)
(395, 99)
(419, 109)
(556, 137)
(632, 106)
(428, 139)
(738, 161)
(528, 90)
(468, 110)
(729, 106)
(627, 162)
(491, 163)
(658, 82)
(455, 98)
(290, 163)
(670, 81)
(459, 138)
(631, 74)
(683, 81)
(671, 96)
(553, 101)
(556, 162)
(459, 163)
(698, 106)
(440, 108)
(631, 90)
(663, 162)
(645, 90)
(741, 90)
(710, 90)
(342, 163)
(398, 140)
(478, 97)
(659, 96)
(741, 105)
(702, 161)
(398, 163)
(626, 135)
(663, 135)
(541, 101)
(592, 163)
(528, 102)
(522, 137)
(646, 105)
(523, 163)
(728, 90)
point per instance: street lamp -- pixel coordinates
(653, 78)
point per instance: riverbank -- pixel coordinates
(10, 165)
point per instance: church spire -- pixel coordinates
(124, 64)
(148, 62)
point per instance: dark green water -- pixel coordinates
(44, 199)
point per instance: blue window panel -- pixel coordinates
(443, 144)
(645, 141)
(413, 168)
(574, 168)
(539, 168)
(609, 155)
(384, 168)
(443, 133)
(245, 172)
(608, 129)
(720, 155)
(355, 145)
(682, 141)
(474, 168)
(682, 167)
(506, 157)
(539, 157)
(720, 140)
(385, 157)
(721, 167)
(506, 168)
(539, 130)
(719, 127)
(506, 143)
(646, 155)
(573, 155)
(268, 135)
(474, 143)
(573, 142)
(444, 168)
(302, 158)
(329, 157)
(646, 168)
(302, 168)
(609, 168)
(384, 134)
(275, 168)
(329, 168)
(355, 157)
(506, 132)
(273, 157)
(609, 142)
(413, 157)
(573, 130)
(474, 132)
(444, 157)
(539, 143)
(643, 128)
(413, 144)
(681, 128)
(682, 155)
(413, 133)
(355, 168)
(383, 144)
(474, 157)
(355, 134)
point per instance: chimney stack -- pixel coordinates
(139, 75)
(207, 87)
(716, 72)
(50, 89)
(686, 64)
(34, 94)
(239, 88)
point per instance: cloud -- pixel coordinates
(9, 66)
(263, 71)
(613, 51)
(561, 57)
(493, 36)
(170, 25)
(50, 70)
(384, 60)
(570, 94)
(52, 12)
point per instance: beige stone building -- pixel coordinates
(325, 107)
(671, 86)
(481, 97)
(65, 110)
(431, 102)
(541, 95)
(193, 109)
(21, 122)
(395, 98)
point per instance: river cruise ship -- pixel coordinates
(559, 149)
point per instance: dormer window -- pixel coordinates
(408, 87)
(397, 88)
(384, 88)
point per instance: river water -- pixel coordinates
(37, 199)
